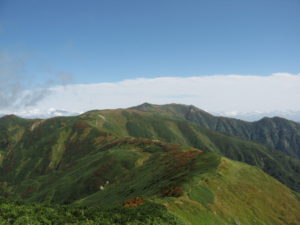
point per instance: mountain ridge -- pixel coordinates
(132, 123)
(274, 132)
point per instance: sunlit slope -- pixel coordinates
(236, 194)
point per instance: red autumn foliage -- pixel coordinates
(181, 159)
(134, 202)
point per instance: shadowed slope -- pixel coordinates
(278, 133)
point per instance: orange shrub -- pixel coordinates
(134, 202)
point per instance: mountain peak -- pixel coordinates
(145, 105)
(9, 116)
(274, 119)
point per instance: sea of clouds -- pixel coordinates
(230, 95)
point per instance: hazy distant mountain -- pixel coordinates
(247, 116)
(41, 114)
(256, 115)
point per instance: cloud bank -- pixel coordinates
(280, 91)
(231, 94)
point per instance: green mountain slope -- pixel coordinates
(173, 130)
(43, 146)
(235, 194)
(108, 157)
(87, 162)
(277, 133)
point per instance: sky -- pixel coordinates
(223, 56)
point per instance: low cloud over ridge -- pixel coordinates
(216, 93)
(246, 97)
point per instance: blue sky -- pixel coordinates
(113, 40)
(226, 56)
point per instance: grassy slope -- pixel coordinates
(209, 192)
(237, 194)
(163, 127)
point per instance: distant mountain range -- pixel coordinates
(257, 115)
(247, 116)
(177, 156)
(40, 114)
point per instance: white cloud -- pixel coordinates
(217, 93)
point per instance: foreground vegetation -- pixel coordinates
(19, 213)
